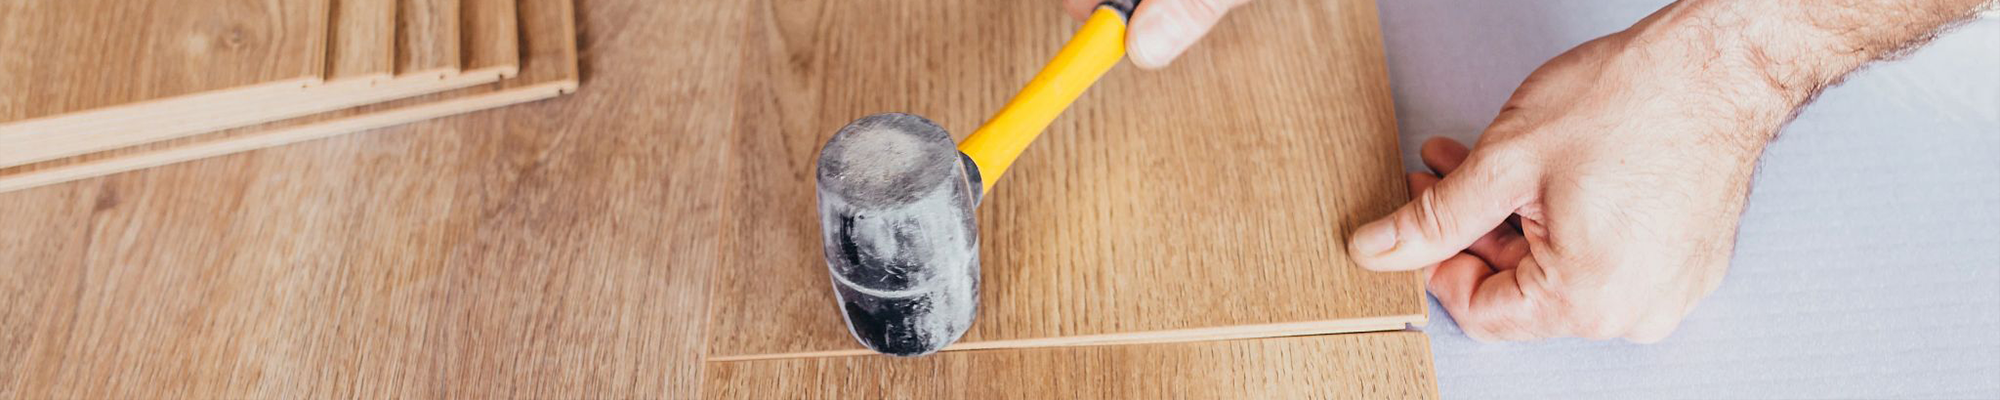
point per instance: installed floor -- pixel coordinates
(568, 248)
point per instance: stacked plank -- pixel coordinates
(95, 87)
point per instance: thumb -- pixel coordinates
(1446, 219)
(1162, 29)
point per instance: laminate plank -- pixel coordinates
(91, 61)
(491, 40)
(364, 40)
(155, 50)
(427, 34)
(551, 71)
(47, 235)
(1386, 365)
(558, 249)
(1208, 200)
(361, 53)
(102, 135)
(361, 48)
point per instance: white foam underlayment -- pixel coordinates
(1868, 261)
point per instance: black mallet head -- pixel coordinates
(896, 205)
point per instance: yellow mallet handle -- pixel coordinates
(1095, 49)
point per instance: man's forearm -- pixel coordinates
(1802, 47)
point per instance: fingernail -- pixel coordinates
(1156, 42)
(1375, 238)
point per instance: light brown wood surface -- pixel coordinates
(360, 54)
(516, 253)
(134, 52)
(1211, 199)
(141, 62)
(552, 71)
(490, 38)
(556, 249)
(363, 40)
(427, 37)
(495, 24)
(1386, 365)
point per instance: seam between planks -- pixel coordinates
(1236, 332)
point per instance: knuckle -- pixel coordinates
(1431, 218)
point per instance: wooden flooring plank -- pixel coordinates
(364, 40)
(552, 70)
(1385, 365)
(361, 49)
(491, 40)
(427, 34)
(515, 253)
(101, 134)
(164, 58)
(137, 52)
(47, 237)
(1164, 206)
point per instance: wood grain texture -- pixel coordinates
(363, 43)
(1211, 199)
(46, 143)
(145, 63)
(1386, 365)
(490, 38)
(113, 148)
(558, 249)
(150, 51)
(427, 37)
(360, 53)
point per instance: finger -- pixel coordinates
(1450, 274)
(1443, 154)
(1080, 9)
(1490, 305)
(1162, 29)
(1447, 218)
(1503, 248)
(1419, 182)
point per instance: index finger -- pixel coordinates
(1490, 305)
(1080, 9)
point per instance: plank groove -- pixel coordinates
(427, 34)
(495, 24)
(165, 49)
(174, 57)
(573, 248)
(1386, 365)
(491, 41)
(515, 253)
(1165, 206)
(360, 56)
(552, 70)
(364, 40)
